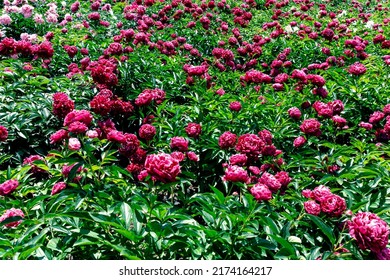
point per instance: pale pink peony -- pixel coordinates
(162, 167)
(74, 144)
(369, 231)
(12, 213)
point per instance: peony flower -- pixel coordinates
(238, 159)
(3, 133)
(8, 187)
(227, 140)
(74, 144)
(294, 113)
(376, 117)
(192, 156)
(261, 192)
(30, 161)
(235, 106)
(299, 141)
(58, 136)
(270, 181)
(193, 130)
(147, 131)
(179, 143)
(369, 231)
(12, 213)
(357, 69)
(333, 205)
(311, 127)
(236, 173)
(320, 193)
(162, 167)
(250, 144)
(58, 187)
(312, 207)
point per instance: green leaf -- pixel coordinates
(323, 227)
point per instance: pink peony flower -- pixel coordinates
(312, 207)
(162, 167)
(384, 254)
(193, 130)
(5, 19)
(147, 131)
(307, 193)
(8, 187)
(320, 193)
(333, 205)
(261, 192)
(270, 181)
(369, 231)
(179, 143)
(83, 116)
(74, 144)
(238, 159)
(58, 136)
(227, 140)
(235, 106)
(311, 127)
(92, 134)
(192, 156)
(77, 127)
(250, 144)
(339, 121)
(3, 133)
(283, 177)
(30, 161)
(12, 213)
(58, 187)
(365, 125)
(299, 141)
(357, 69)
(294, 113)
(376, 117)
(236, 173)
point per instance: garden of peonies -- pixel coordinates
(195, 129)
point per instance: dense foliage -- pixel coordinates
(194, 129)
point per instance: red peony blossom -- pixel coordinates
(284, 178)
(250, 144)
(192, 156)
(323, 109)
(179, 143)
(77, 127)
(311, 127)
(193, 130)
(365, 125)
(149, 95)
(357, 69)
(162, 167)
(376, 117)
(58, 187)
(294, 113)
(339, 121)
(227, 140)
(12, 213)
(3, 133)
(130, 146)
(270, 181)
(235, 173)
(58, 136)
(319, 193)
(261, 192)
(101, 104)
(30, 161)
(333, 205)
(235, 106)
(312, 207)
(369, 231)
(238, 159)
(8, 187)
(62, 105)
(83, 116)
(147, 131)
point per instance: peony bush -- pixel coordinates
(194, 129)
